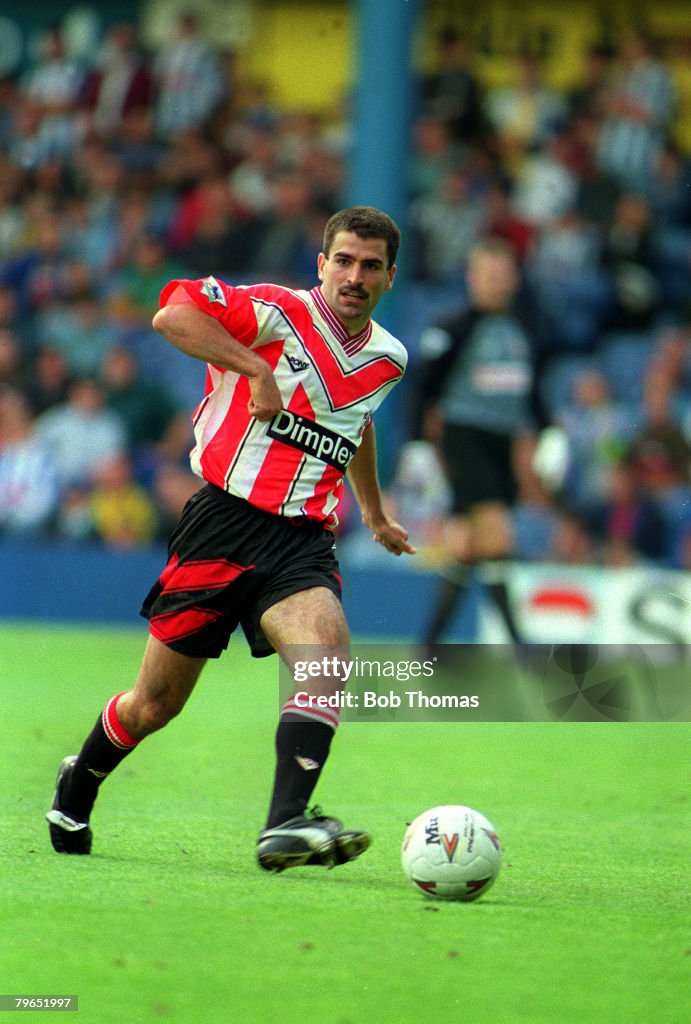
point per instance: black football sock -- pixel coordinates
(302, 747)
(105, 747)
(500, 596)
(451, 591)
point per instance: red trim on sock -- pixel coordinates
(115, 732)
(327, 715)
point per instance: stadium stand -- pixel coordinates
(103, 194)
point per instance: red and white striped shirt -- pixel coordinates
(331, 384)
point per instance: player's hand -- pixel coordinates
(265, 398)
(392, 536)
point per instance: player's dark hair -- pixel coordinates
(365, 222)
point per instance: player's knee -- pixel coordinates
(334, 637)
(492, 551)
(153, 714)
(491, 543)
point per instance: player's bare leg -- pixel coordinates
(163, 686)
(165, 681)
(491, 540)
(307, 624)
(484, 536)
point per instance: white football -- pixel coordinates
(451, 853)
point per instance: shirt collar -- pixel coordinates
(351, 343)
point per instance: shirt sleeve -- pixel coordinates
(232, 307)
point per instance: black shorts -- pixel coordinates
(479, 467)
(228, 562)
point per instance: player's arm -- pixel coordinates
(362, 474)
(202, 336)
(440, 346)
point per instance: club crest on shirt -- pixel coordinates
(213, 291)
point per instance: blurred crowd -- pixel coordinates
(122, 173)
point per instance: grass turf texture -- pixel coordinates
(170, 919)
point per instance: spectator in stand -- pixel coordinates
(669, 196)
(435, 155)
(28, 475)
(11, 361)
(192, 157)
(660, 452)
(672, 367)
(451, 93)
(545, 186)
(284, 237)
(200, 181)
(190, 81)
(222, 235)
(571, 289)
(255, 163)
(10, 319)
(599, 432)
(572, 540)
(51, 88)
(134, 294)
(74, 520)
(48, 380)
(173, 487)
(668, 188)
(86, 237)
(138, 151)
(534, 520)
(254, 105)
(8, 105)
(627, 523)
(628, 256)
(81, 433)
(502, 220)
(119, 84)
(29, 145)
(420, 491)
(598, 192)
(133, 300)
(297, 133)
(588, 98)
(445, 227)
(80, 329)
(136, 219)
(336, 136)
(37, 275)
(639, 107)
(326, 172)
(122, 512)
(524, 115)
(145, 410)
(12, 216)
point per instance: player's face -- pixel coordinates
(354, 276)
(493, 280)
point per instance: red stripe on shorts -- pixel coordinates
(204, 574)
(176, 625)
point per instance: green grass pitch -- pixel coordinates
(170, 920)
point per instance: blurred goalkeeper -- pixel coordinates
(477, 398)
(293, 381)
